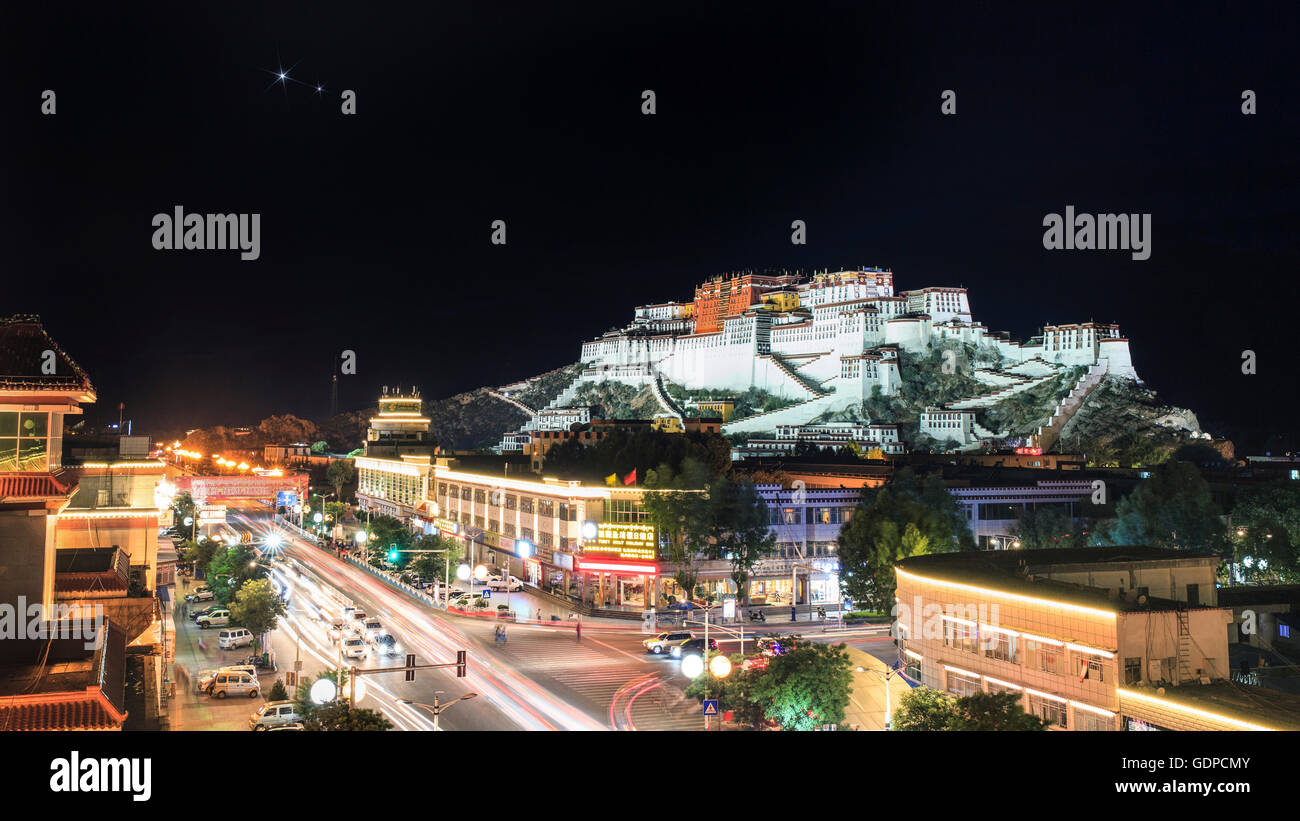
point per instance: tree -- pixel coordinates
(994, 711)
(340, 472)
(1172, 509)
(678, 505)
(924, 709)
(900, 519)
(277, 692)
(930, 710)
(806, 687)
(735, 693)
(1266, 531)
(436, 565)
(303, 705)
(340, 716)
(740, 531)
(229, 568)
(1044, 527)
(257, 607)
(184, 506)
(388, 533)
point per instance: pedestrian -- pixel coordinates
(539, 614)
(578, 627)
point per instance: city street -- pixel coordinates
(543, 677)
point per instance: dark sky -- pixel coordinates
(375, 227)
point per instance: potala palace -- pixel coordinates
(827, 342)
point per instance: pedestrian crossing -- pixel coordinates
(600, 678)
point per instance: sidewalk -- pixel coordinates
(197, 650)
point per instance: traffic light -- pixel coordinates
(460, 664)
(392, 556)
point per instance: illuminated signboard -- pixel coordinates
(626, 541)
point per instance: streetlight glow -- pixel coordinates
(692, 666)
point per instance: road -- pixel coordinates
(543, 678)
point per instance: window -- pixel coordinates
(545, 539)
(465, 493)
(1132, 670)
(1001, 646)
(23, 441)
(510, 530)
(526, 533)
(512, 502)
(1088, 721)
(1049, 709)
(959, 636)
(1090, 668)
(494, 526)
(525, 504)
(545, 507)
(913, 670)
(480, 495)
(568, 512)
(442, 488)
(1284, 631)
(1044, 657)
(962, 685)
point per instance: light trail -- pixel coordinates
(528, 705)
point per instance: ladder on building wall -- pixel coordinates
(1184, 647)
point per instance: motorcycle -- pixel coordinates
(757, 615)
(260, 662)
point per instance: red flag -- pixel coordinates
(630, 479)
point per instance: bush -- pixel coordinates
(277, 693)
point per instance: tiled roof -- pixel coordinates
(85, 711)
(32, 486)
(82, 582)
(23, 342)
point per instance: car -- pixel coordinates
(297, 725)
(661, 643)
(232, 637)
(491, 577)
(460, 598)
(217, 618)
(208, 677)
(681, 605)
(204, 612)
(202, 594)
(354, 648)
(274, 714)
(386, 644)
(236, 683)
(691, 647)
(512, 585)
(370, 629)
(772, 646)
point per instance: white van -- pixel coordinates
(233, 637)
(274, 714)
(236, 684)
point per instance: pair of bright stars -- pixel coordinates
(282, 77)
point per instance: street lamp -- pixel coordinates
(885, 675)
(436, 708)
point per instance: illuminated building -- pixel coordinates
(541, 441)
(39, 386)
(394, 474)
(1088, 638)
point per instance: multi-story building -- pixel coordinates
(723, 297)
(39, 386)
(1122, 638)
(942, 425)
(394, 473)
(993, 509)
(826, 436)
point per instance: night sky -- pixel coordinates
(375, 227)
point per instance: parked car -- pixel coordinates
(217, 618)
(691, 647)
(232, 637)
(661, 643)
(212, 608)
(236, 684)
(512, 585)
(354, 648)
(209, 677)
(274, 714)
(202, 594)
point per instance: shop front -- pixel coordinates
(614, 583)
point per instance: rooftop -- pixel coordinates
(1243, 702)
(1012, 571)
(23, 342)
(58, 684)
